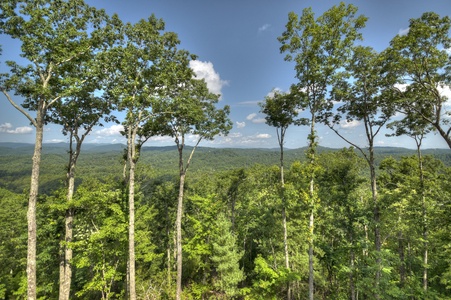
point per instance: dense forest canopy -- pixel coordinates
(190, 222)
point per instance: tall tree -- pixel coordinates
(416, 128)
(281, 110)
(420, 60)
(319, 47)
(364, 100)
(43, 27)
(186, 109)
(134, 87)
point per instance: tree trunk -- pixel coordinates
(424, 216)
(312, 149)
(66, 256)
(284, 214)
(376, 219)
(179, 236)
(31, 214)
(132, 158)
(402, 263)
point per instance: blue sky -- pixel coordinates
(238, 55)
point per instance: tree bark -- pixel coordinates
(312, 148)
(132, 158)
(376, 219)
(31, 214)
(179, 235)
(66, 256)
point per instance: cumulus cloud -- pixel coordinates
(349, 124)
(8, 128)
(240, 124)
(205, 70)
(263, 136)
(273, 92)
(264, 28)
(445, 91)
(110, 131)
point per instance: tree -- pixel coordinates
(226, 258)
(281, 112)
(319, 49)
(416, 127)
(134, 87)
(364, 100)
(187, 108)
(421, 62)
(43, 27)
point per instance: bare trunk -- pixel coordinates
(179, 235)
(312, 149)
(65, 264)
(424, 215)
(284, 214)
(31, 214)
(132, 158)
(376, 219)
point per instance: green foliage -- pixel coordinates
(226, 257)
(99, 239)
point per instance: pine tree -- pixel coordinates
(226, 258)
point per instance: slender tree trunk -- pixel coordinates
(284, 214)
(179, 235)
(132, 158)
(65, 264)
(312, 149)
(376, 219)
(401, 254)
(31, 214)
(424, 215)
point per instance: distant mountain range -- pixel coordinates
(232, 155)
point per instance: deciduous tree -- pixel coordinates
(43, 28)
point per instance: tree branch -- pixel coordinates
(33, 121)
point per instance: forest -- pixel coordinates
(80, 221)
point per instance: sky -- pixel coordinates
(238, 56)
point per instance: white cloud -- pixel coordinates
(110, 131)
(402, 87)
(445, 91)
(273, 91)
(205, 70)
(403, 31)
(8, 128)
(251, 116)
(349, 124)
(55, 141)
(263, 136)
(240, 124)
(259, 120)
(264, 27)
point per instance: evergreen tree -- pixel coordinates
(226, 258)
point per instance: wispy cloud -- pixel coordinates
(9, 128)
(264, 28)
(258, 120)
(251, 116)
(403, 31)
(205, 70)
